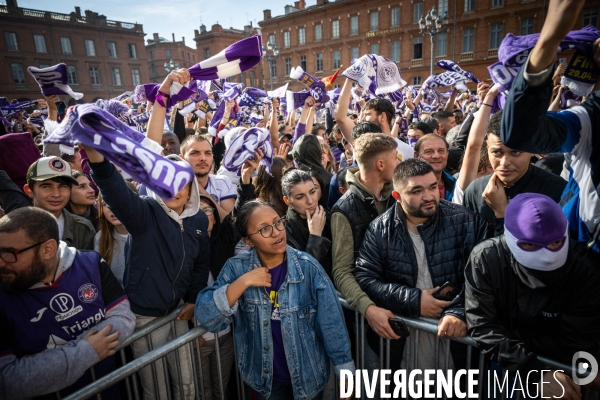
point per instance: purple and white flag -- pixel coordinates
(125, 95)
(10, 110)
(317, 88)
(448, 78)
(279, 92)
(378, 74)
(452, 66)
(233, 60)
(135, 154)
(243, 147)
(54, 80)
(503, 76)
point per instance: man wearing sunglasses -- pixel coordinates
(534, 292)
(61, 310)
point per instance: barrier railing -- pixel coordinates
(191, 339)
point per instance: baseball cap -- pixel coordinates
(282, 135)
(50, 167)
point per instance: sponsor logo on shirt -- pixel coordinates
(39, 315)
(82, 325)
(64, 305)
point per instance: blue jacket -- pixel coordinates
(528, 126)
(311, 321)
(167, 257)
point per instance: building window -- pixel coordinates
(495, 36)
(417, 12)
(395, 17)
(354, 25)
(469, 6)
(497, 3)
(335, 29)
(442, 7)
(95, 75)
(116, 75)
(590, 16)
(301, 36)
(272, 39)
(65, 43)
(375, 48)
(206, 53)
(252, 78)
(151, 55)
(288, 66)
(303, 62)
(395, 50)
(152, 70)
(273, 68)
(417, 48)
(112, 50)
(11, 41)
(286, 39)
(374, 18)
(442, 39)
(353, 53)
(17, 71)
(319, 62)
(40, 43)
(468, 38)
(336, 59)
(135, 77)
(89, 48)
(72, 75)
(318, 32)
(132, 51)
(167, 54)
(526, 26)
(416, 80)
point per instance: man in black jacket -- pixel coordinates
(513, 174)
(534, 292)
(415, 247)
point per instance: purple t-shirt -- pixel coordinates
(281, 372)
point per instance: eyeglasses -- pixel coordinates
(267, 231)
(208, 211)
(11, 256)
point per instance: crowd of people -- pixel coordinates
(250, 210)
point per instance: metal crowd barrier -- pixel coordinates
(191, 338)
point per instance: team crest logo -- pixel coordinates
(57, 164)
(88, 293)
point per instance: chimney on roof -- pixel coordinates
(11, 3)
(267, 14)
(183, 40)
(202, 28)
(173, 37)
(77, 11)
(155, 37)
(321, 2)
(196, 33)
(301, 5)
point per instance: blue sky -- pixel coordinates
(170, 16)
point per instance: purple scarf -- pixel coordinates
(125, 147)
(317, 88)
(378, 74)
(452, 66)
(243, 147)
(233, 60)
(54, 80)
(178, 92)
(279, 92)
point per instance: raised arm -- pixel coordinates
(450, 104)
(274, 128)
(341, 112)
(156, 122)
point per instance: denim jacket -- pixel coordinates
(312, 325)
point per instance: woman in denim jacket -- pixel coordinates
(288, 320)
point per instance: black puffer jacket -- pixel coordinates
(387, 270)
(515, 313)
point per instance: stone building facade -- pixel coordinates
(321, 37)
(104, 57)
(162, 51)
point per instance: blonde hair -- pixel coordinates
(330, 166)
(371, 145)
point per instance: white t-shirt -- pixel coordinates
(235, 180)
(61, 225)
(220, 188)
(405, 149)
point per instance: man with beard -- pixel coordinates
(198, 151)
(412, 249)
(61, 310)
